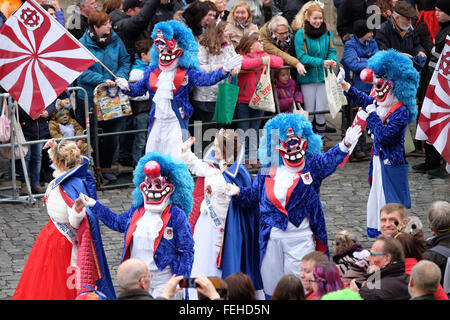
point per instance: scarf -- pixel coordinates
(315, 33)
(101, 42)
(283, 45)
(243, 26)
(140, 65)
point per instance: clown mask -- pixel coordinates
(382, 87)
(168, 50)
(293, 151)
(155, 189)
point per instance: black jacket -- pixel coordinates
(440, 260)
(349, 12)
(392, 285)
(133, 28)
(389, 38)
(439, 44)
(135, 294)
(36, 129)
(77, 25)
(165, 12)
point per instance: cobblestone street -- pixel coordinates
(343, 195)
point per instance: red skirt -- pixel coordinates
(47, 274)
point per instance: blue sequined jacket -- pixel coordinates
(303, 202)
(176, 251)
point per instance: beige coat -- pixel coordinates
(236, 32)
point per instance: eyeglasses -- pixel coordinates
(312, 280)
(376, 254)
(282, 33)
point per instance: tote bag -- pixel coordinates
(5, 124)
(226, 101)
(335, 96)
(262, 98)
(18, 138)
(111, 103)
(299, 110)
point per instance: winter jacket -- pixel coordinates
(440, 292)
(355, 57)
(319, 50)
(388, 37)
(440, 260)
(287, 94)
(133, 28)
(210, 63)
(349, 11)
(247, 81)
(36, 129)
(237, 32)
(439, 44)
(351, 263)
(77, 25)
(114, 56)
(165, 11)
(392, 284)
(270, 47)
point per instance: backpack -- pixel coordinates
(444, 251)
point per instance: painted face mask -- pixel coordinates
(155, 189)
(382, 87)
(168, 50)
(293, 150)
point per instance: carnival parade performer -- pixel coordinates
(156, 226)
(387, 111)
(225, 235)
(68, 253)
(286, 191)
(173, 73)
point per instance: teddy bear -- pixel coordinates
(63, 125)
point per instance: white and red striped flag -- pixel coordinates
(434, 119)
(38, 58)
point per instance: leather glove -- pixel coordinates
(352, 135)
(87, 201)
(234, 62)
(232, 190)
(123, 84)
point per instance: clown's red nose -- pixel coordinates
(366, 75)
(152, 169)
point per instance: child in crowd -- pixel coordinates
(350, 257)
(288, 90)
(315, 49)
(254, 57)
(140, 105)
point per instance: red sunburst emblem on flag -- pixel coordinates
(38, 58)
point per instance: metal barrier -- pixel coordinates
(30, 198)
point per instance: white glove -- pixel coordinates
(352, 135)
(123, 84)
(183, 115)
(232, 190)
(87, 201)
(234, 62)
(371, 108)
(341, 76)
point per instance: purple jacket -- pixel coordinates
(287, 94)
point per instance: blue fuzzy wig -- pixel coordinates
(400, 70)
(175, 172)
(185, 40)
(267, 154)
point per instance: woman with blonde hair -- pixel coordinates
(315, 49)
(68, 253)
(240, 22)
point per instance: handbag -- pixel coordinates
(19, 138)
(262, 98)
(5, 124)
(111, 103)
(226, 101)
(335, 96)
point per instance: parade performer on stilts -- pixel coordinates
(225, 235)
(173, 73)
(156, 226)
(387, 111)
(286, 191)
(68, 253)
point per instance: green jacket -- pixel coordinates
(319, 50)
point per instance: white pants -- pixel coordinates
(376, 198)
(165, 137)
(284, 253)
(315, 99)
(158, 281)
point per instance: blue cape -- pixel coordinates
(240, 252)
(74, 182)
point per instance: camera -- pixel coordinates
(359, 283)
(188, 283)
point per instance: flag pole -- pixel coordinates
(101, 63)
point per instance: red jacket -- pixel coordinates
(247, 80)
(440, 293)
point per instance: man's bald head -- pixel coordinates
(133, 274)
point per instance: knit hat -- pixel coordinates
(360, 28)
(443, 5)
